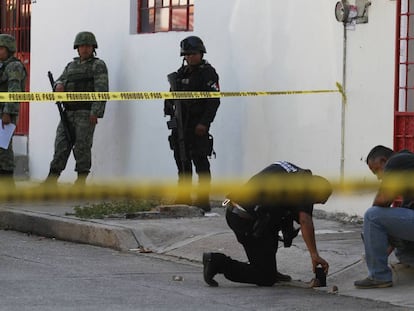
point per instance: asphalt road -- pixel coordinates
(38, 273)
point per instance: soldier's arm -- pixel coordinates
(211, 83)
(101, 85)
(16, 75)
(62, 79)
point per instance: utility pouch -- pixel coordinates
(169, 107)
(288, 236)
(171, 141)
(172, 124)
(288, 230)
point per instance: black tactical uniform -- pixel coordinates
(194, 112)
(257, 220)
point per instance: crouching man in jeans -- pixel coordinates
(257, 219)
(386, 226)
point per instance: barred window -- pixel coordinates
(404, 77)
(165, 15)
(15, 20)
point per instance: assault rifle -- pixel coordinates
(62, 112)
(174, 110)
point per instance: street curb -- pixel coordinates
(68, 229)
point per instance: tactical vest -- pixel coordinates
(193, 79)
(3, 79)
(4, 83)
(80, 78)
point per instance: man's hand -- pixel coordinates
(383, 199)
(200, 130)
(93, 120)
(317, 260)
(59, 87)
(5, 119)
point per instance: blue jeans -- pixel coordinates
(379, 224)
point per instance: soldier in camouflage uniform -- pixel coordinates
(12, 79)
(85, 73)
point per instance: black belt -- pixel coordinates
(233, 207)
(75, 106)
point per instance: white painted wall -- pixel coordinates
(255, 46)
(370, 85)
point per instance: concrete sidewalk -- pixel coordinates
(339, 243)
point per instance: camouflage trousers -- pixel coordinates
(82, 134)
(7, 155)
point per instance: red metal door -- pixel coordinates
(15, 20)
(404, 77)
(404, 131)
(22, 127)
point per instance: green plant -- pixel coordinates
(106, 209)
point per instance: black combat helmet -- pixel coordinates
(191, 45)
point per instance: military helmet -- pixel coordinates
(8, 42)
(85, 38)
(192, 44)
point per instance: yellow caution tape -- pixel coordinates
(341, 91)
(125, 96)
(294, 189)
(286, 187)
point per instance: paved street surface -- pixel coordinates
(98, 275)
(40, 273)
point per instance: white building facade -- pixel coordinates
(267, 45)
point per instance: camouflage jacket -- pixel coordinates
(12, 79)
(87, 76)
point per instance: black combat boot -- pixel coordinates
(203, 203)
(81, 180)
(203, 194)
(213, 263)
(52, 178)
(282, 277)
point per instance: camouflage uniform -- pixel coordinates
(12, 79)
(89, 75)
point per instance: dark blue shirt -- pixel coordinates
(401, 162)
(275, 199)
